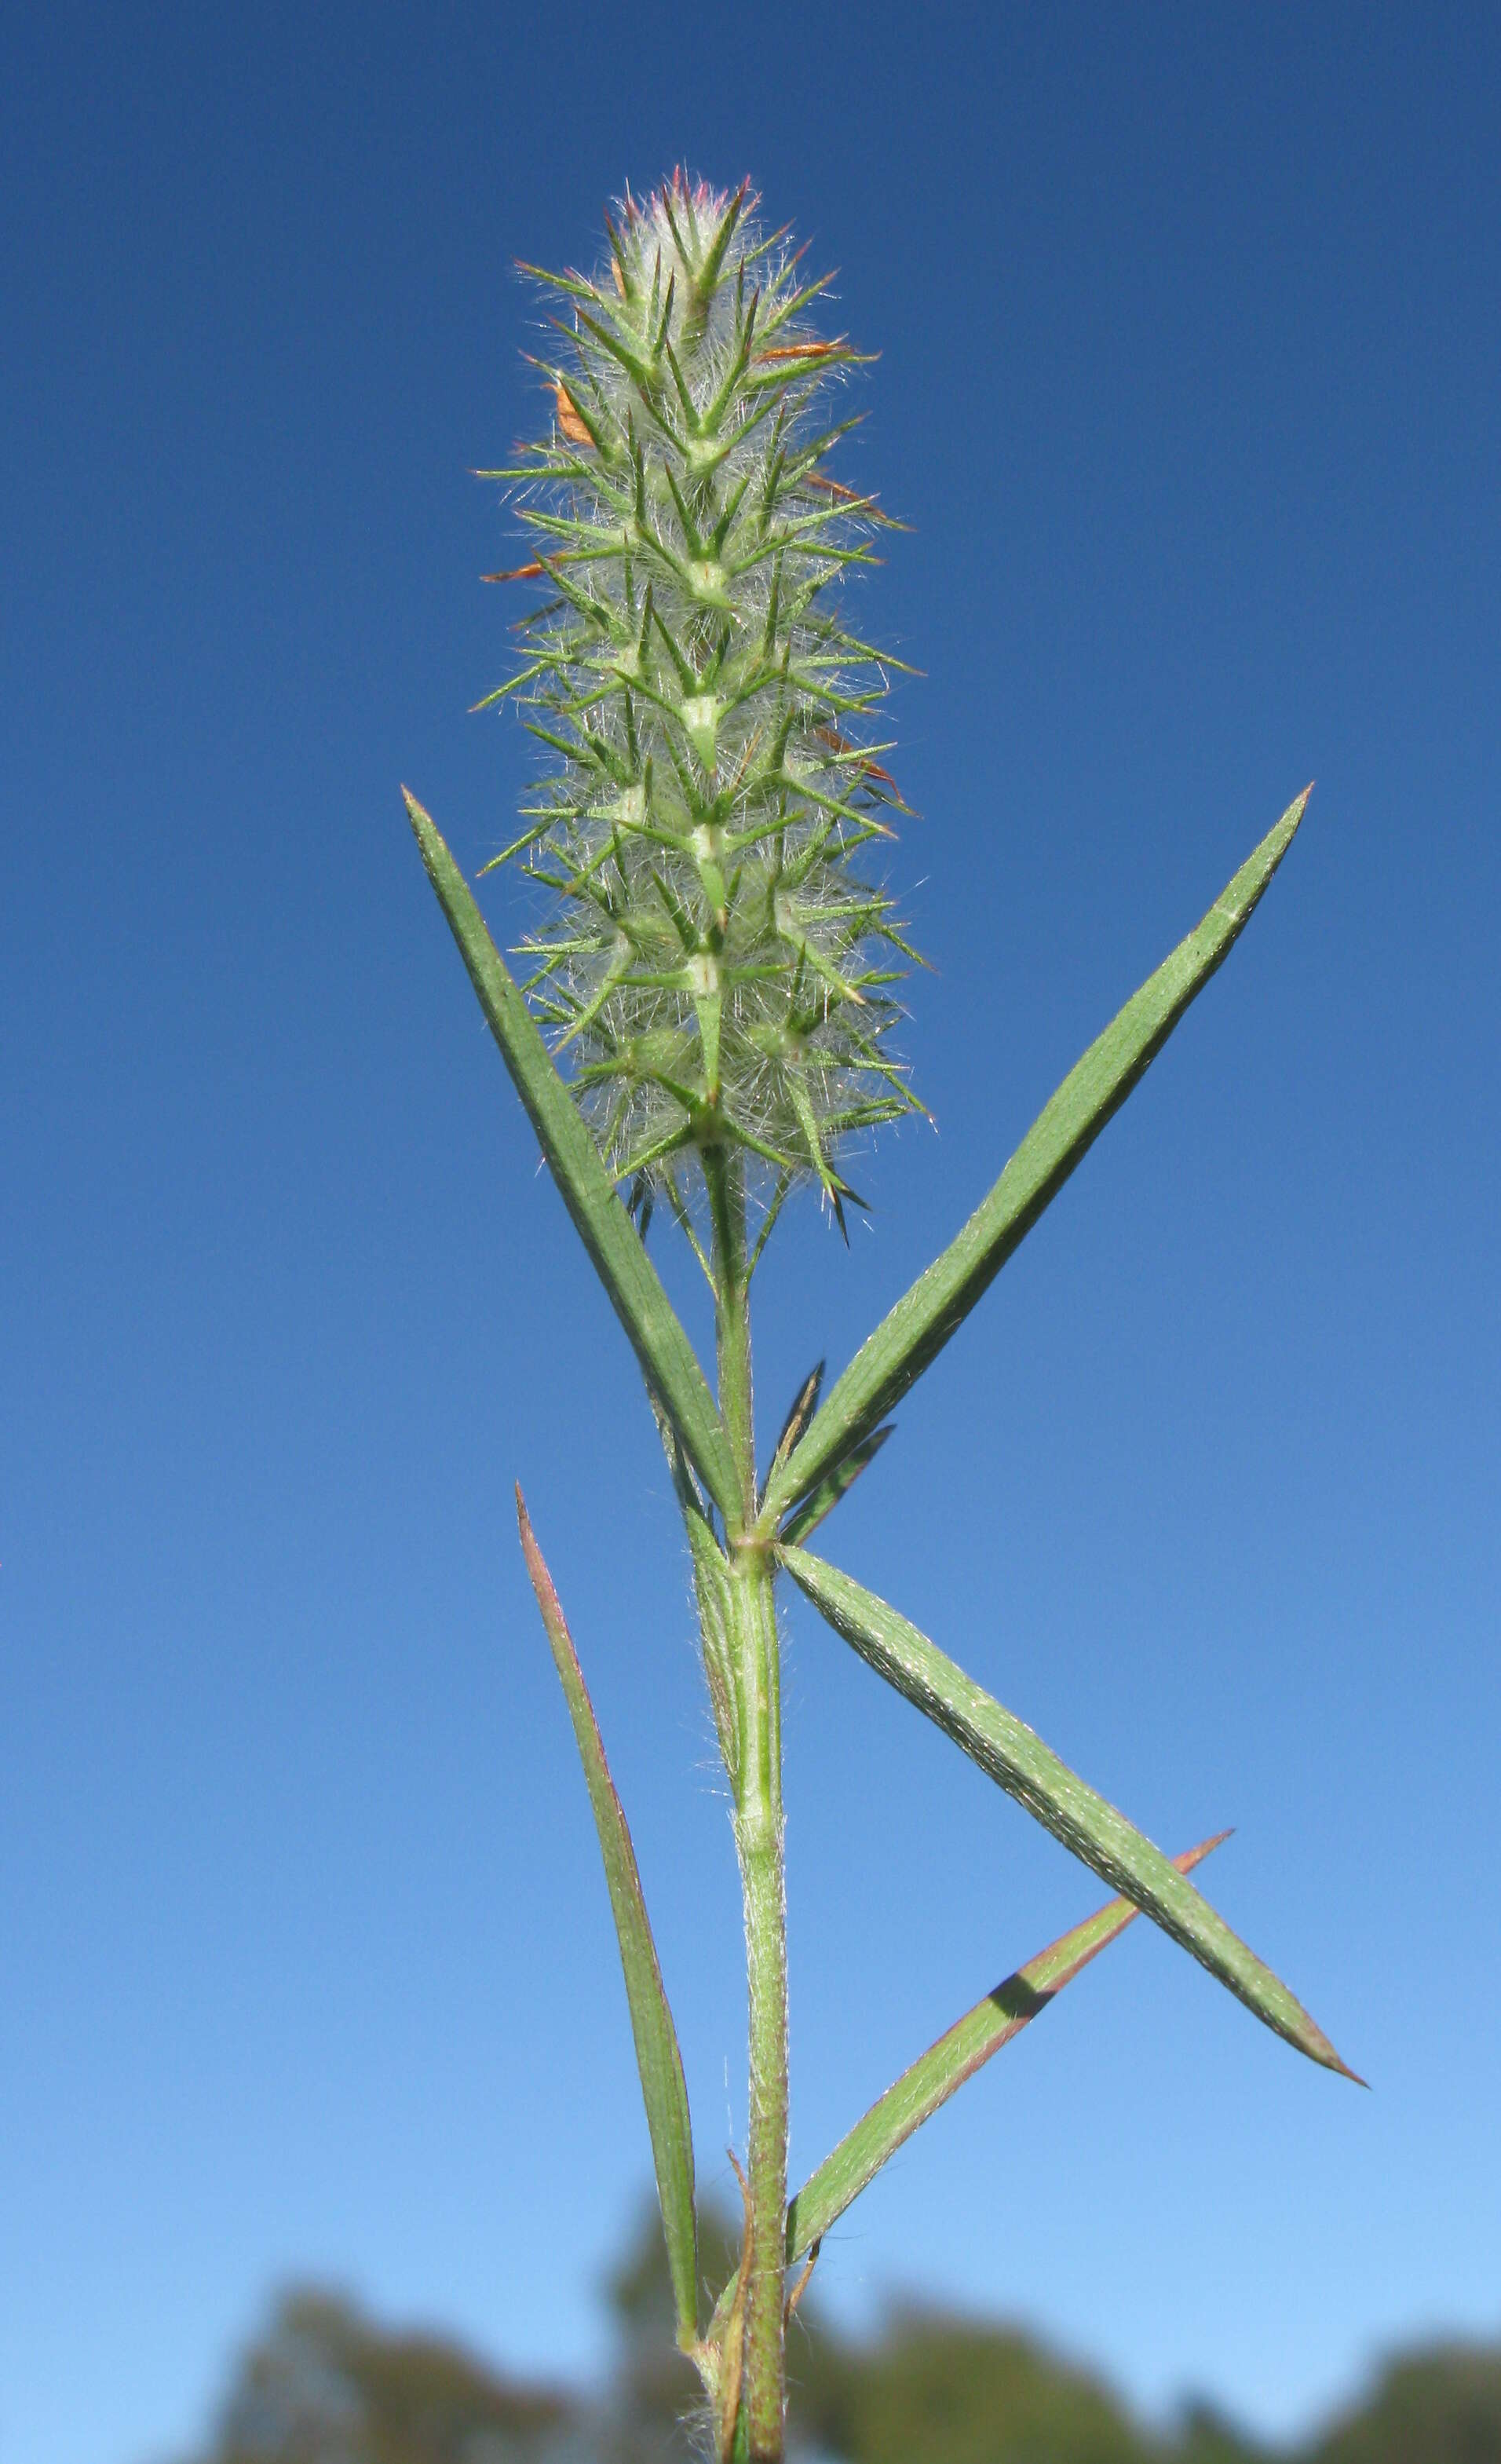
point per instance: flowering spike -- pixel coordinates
(709, 961)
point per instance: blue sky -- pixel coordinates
(1189, 360)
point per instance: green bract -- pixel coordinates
(715, 966)
(716, 977)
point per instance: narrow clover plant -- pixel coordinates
(714, 973)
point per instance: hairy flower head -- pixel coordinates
(714, 962)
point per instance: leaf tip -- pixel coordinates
(1311, 2040)
(1334, 2062)
(536, 1564)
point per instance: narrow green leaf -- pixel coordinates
(834, 1486)
(916, 1329)
(709, 1583)
(960, 2052)
(803, 1406)
(667, 1360)
(663, 2089)
(1015, 1757)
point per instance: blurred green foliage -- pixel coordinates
(324, 2384)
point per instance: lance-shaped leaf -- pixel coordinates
(1015, 1757)
(916, 1329)
(661, 2064)
(667, 1360)
(709, 1583)
(834, 1484)
(959, 2052)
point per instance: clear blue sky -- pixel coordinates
(1189, 365)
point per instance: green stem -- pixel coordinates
(758, 1824)
(758, 1838)
(731, 1282)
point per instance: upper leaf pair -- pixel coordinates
(915, 1331)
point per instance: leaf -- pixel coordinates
(710, 1579)
(667, 1360)
(960, 2052)
(834, 1485)
(804, 1405)
(1015, 1757)
(916, 1329)
(663, 2090)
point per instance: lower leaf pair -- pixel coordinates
(1018, 1760)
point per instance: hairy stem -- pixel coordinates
(758, 1840)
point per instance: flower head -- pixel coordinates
(714, 963)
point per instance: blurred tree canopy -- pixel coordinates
(324, 2384)
(1443, 2406)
